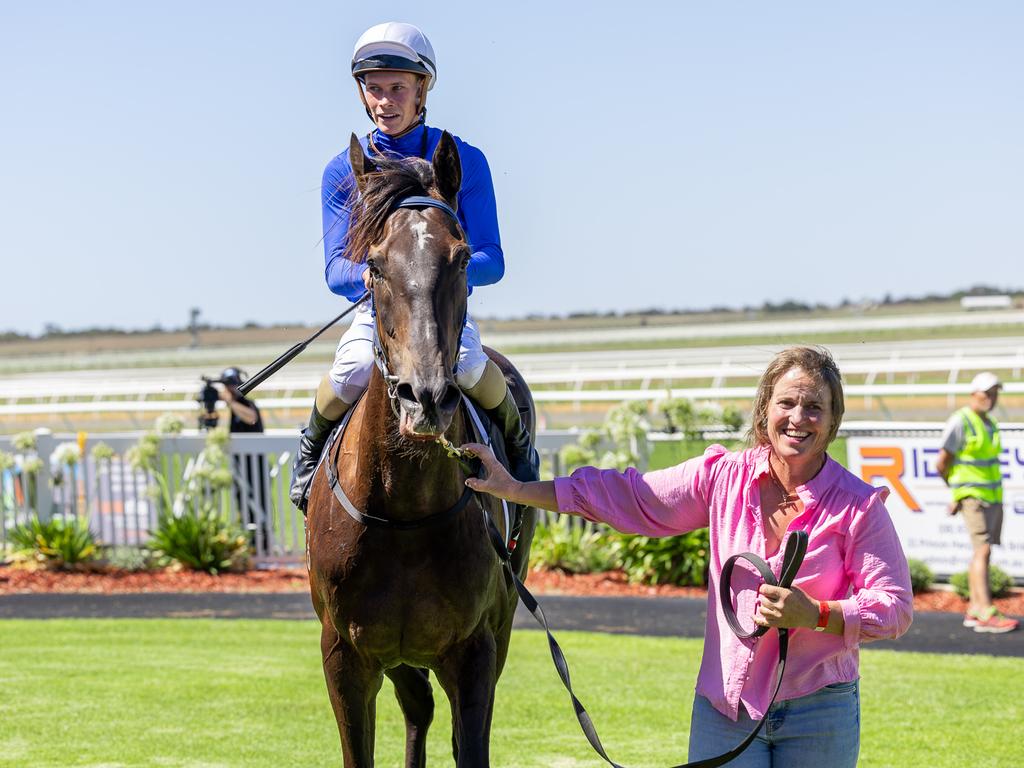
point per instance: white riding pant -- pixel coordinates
(353, 360)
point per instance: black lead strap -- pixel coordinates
(796, 547)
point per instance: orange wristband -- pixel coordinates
(823, 612)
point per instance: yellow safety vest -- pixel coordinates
(977, 473)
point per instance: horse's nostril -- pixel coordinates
(450, 399)
(406, 392)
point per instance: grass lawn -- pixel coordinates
(207, 693)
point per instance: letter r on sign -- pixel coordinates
(891, 471)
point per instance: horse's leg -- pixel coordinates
(352, 684)
(412, 687)
(468, 674)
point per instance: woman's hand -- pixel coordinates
(780, 607)
(496, 480)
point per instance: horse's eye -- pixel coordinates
(464, 259)
(374, 269)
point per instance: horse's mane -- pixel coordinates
(394, 179)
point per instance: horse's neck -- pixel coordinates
(409, 479)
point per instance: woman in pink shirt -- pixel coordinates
(853, 586)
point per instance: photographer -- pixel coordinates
(245, 416)
(249, 471)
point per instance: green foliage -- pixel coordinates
(56, 543)
(998, 581)
(680, 560)
(128, 558)
(102, 452)
(921, 576)
(30, 465)
(569, 545)
(169, 424)
(623, 436)
(200, 542)
(7, 460)
(24, 441)
(690, 419)
(733, 418)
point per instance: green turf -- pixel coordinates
(204, 693)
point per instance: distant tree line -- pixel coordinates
(53, 331)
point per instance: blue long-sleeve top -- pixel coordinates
(477, 211)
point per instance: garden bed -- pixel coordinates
(610, 584)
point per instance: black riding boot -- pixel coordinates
(311, 445)
(523, 461)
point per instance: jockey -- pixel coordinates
(394, 68)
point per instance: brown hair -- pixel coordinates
(817, 363)
(393, 179)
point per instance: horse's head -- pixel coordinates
(417, 258)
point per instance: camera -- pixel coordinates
(207, 399)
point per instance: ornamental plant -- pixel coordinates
(192, 532)
(102, 452)
(200, 542)
(56, 543)
(921, 576)
(24, 441)
(999, 582)
(681, 560)
(570, 545)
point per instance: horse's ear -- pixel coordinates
(361, 164)
(447, 168)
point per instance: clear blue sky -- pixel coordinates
(673, 154)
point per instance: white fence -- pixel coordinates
(603, 377)
(121, 503)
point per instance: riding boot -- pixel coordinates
(523, 461)
(311, 445)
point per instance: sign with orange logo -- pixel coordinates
(919, 500)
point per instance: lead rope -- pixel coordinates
(796, 547)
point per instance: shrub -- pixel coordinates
(128, 558)
(56, 543)
(571, 546)
(680, 560)
(200, 542)
(921, 576)
(998, 582)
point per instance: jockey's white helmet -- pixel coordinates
(394, 45)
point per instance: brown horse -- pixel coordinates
(402, 599)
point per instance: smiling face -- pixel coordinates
(799, 423)
(393, 99)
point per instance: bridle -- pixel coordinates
(380, 355)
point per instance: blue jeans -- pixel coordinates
(822, 728)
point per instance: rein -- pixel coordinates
(796, 547)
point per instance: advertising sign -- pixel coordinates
(919, 500)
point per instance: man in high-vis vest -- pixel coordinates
(969, 463)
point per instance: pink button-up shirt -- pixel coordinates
(853, 556)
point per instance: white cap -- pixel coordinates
(983, 382)
(394, 45)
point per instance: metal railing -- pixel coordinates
(122, 503)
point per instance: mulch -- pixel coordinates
(17, 580)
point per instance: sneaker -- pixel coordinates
(970, 619)
(995, 623)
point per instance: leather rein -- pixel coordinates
(796, 544)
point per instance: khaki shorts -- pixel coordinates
(984, 521)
